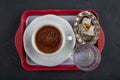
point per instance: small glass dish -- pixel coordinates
(86, 57)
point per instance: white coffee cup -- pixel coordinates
(62, 54)
(64, 39)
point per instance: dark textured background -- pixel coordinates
(10, 66)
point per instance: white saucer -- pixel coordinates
(49, 60)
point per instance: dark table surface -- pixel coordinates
(10, 65)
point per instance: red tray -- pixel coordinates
(20, 31)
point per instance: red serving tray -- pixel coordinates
(22, 26)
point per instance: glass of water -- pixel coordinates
(86, 57)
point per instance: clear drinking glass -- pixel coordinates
(87, 57)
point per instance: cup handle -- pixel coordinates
(69, 38)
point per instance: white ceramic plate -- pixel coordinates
(65, 51)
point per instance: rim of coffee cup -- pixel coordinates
(34, 44)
